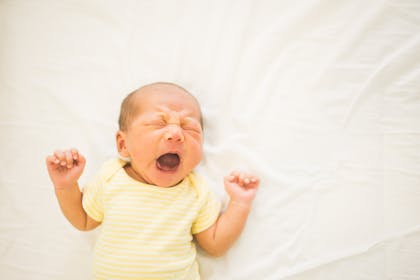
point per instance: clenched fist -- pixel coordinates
(65, 167)
(242, 187)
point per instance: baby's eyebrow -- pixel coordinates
(191, 119)
(184, 116)
(153, 116)
(180, 115)
(160, 115)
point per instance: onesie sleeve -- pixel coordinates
(209, 210)
(93, 192)
(92, 200)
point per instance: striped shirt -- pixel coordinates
(147, 231)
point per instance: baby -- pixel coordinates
(152, 204)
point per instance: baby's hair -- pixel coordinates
(129, 109)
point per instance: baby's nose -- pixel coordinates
(174, 133)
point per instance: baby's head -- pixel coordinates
(161, 132)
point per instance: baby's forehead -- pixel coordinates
(166, 100)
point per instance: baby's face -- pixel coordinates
(164, 141)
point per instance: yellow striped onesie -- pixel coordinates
(147, 231)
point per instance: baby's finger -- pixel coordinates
(235, 174)
(51, 160)
(69, 159)
(254, 182)
(248, 180)
(81, 160)
(243, 179)
(229, 178)
(60, 157)
(75, 153)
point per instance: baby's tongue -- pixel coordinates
(168, 162)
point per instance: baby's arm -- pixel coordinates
(217, 239)
(65, 168)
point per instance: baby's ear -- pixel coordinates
(121, 145)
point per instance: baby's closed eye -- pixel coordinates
(191, 126)
(158, 122)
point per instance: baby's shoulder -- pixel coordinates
(198, 183)
(105, 173)
(109, 168)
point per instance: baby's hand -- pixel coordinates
(241, 187)
(65, 167)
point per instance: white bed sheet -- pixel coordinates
(320, 98)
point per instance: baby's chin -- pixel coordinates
(167, 182)
(167, 179)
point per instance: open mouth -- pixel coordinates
(168, 162)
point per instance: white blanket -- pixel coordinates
(320, 98)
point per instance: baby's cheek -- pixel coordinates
(196, 154)
(194, 136)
